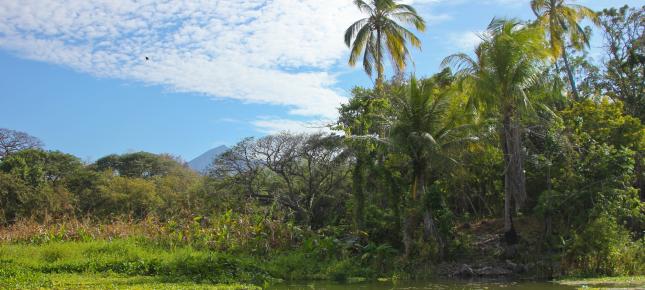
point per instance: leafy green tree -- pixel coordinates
(125, 196)
(604, 122)
(85, 185)
(473, 189)
(139, 164)
(37, 167)
(624, 75)
(426, 130)
(624, 78)
(372, 35)
(589, 151)
(508, 63)
(364, 120)
(44, 175)
(597, 178)
(14, 194)
(604, 247)
(179, 192)
(303, 175)
(589, 76)
(561, 22)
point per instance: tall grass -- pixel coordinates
(228, 248)
(133, 258)
(227, 232)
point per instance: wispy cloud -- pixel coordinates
(437, 18)
(465, 41)
(278, 52)
(277, 125)
(510, 2)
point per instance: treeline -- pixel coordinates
(49, 184)
(553, 146)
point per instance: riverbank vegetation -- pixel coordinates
(522, 158)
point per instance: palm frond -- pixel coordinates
(378, 33)
(363, 7)
(359, 46)
(539, 7)
(369, 57)
(410, 16)
(353, 29)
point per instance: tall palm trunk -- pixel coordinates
(412, 215)
(640, 177)
(430, 231)
(379, 61)
(359, 194)
(514, 178)
(412, 219)
(572, 80)
(548, 220)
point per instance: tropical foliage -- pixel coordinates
(486, 162)
(561, 22)
(378, 32)
(508, 66)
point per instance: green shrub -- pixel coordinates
(604, 247)
(341, 270)
(293, 266)
(213, 268)
(50, 255)
(14, 277)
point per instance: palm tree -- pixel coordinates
(426, 129)
(380, 31)
(508, 62)
(561, 20)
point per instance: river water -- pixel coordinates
(446, 285)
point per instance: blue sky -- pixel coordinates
(74, 74)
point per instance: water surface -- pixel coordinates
(413, 285)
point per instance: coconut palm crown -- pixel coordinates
(561, 22)
(507, 64)
(378, 32)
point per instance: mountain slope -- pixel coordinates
(202, 162)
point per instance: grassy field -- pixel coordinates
(133, 263)
(143, 263)
(123, 264)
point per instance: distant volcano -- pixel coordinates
(202, 162)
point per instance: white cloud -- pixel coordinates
(461, 2)
(511, 2)
(277, 125)
(275, 52)
(420, 1)
(438, 18)
(465, 41)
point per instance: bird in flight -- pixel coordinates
(147, 58)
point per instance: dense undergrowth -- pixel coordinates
(493, 160)
(29, 265)
(191, 252)
(128, 257)
(33, 254)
